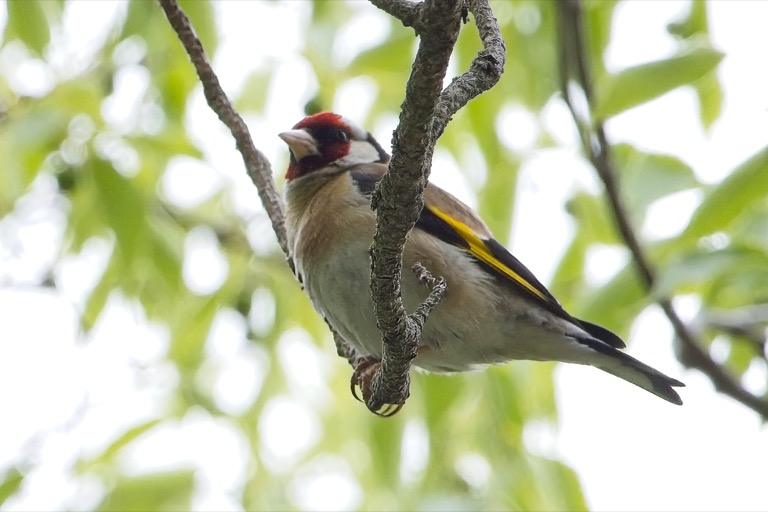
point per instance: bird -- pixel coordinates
(494, 310)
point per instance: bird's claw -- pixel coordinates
(362, 377)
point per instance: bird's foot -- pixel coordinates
(362, 377)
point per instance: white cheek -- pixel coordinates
(360, 152)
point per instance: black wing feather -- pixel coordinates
(365, 181)
(437, 227)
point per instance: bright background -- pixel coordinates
(67, 394)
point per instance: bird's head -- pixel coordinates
(328, 141)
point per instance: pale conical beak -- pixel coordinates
(302, 144)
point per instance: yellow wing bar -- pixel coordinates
(479, 250)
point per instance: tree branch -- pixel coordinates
(399, 197)
(484, 72)
(408, 12)
(747, 323)
(574, 66)
(256, 164)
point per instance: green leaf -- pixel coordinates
(166, 245)
(32, 131)
(741, 286)
(81, 95)
(569, 275)
(100, 293)
(558, 487)
(385, 62)
(695, 22)
(633, 86)
(118, 444)
(136, 18)
(175, 81)
(190, 330)
(709, 92)
(253, 97)
(747, 184)
(752, 229)
(27, 137)
(84, 200)
(172, 141)
(497, 197)
(11, 482)
(593, 217)
(27, 21)
(530, 74)
(123, 206)
(615, 304)
(740, 356)
(170, 491)
(699, 271)
(647, 177)
(599, 18)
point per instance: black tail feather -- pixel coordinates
(630, 369)
(602, 334)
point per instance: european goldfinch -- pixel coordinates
(494, 310)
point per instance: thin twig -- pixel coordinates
(437, 287)
(484, 72)
(256, 164)
(574, 64)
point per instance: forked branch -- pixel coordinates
(398, 201)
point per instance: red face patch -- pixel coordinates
(332, 137)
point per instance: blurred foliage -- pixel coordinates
(108, 178)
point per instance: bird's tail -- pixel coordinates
(630, 369)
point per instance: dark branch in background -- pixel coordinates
(399, 197)
(256, 164)
(574, 66)
(747, 324)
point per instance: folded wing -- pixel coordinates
(450, 220)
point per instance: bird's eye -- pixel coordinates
(342, 136)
